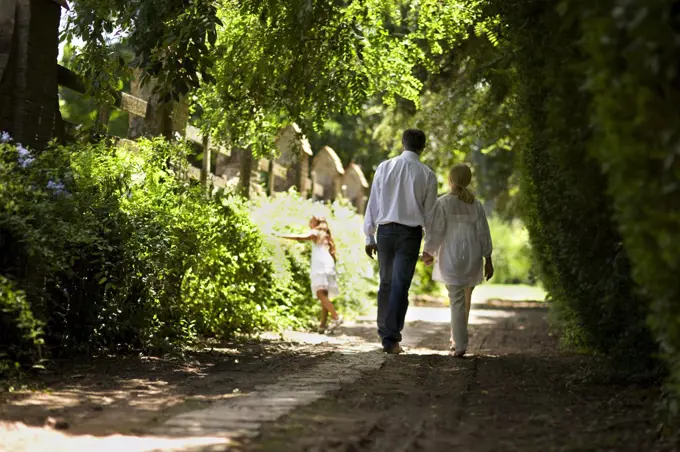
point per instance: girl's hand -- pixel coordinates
(427, 259)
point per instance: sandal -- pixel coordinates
(335, 324)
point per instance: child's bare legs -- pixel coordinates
(324, 318)
(326, 304)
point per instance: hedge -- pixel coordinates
(583, 262)
(634, 79)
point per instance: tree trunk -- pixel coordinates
(271, 178)
(205, 168)
(245, 173)
(103, 117)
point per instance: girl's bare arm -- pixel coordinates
(298, 237)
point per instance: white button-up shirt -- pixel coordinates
(404, 191)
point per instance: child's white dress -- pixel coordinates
(459, 237)
(322, 271)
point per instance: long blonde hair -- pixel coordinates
(460, 177)
(325, 234)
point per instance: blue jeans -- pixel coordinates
(398, 249)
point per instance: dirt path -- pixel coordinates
(516, 393)
(313, 393)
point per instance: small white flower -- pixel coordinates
(57, 187)
(5, 137)
(52, 185)
(23, 152)
(24, 162)
(25, 157)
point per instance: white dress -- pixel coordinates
(459, 238)
(322, 270)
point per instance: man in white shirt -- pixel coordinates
(402, 197)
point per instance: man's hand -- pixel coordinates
(488, 269)
(427, 259)
(371, 250)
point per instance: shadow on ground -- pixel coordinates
(124, 395)
(514, 391)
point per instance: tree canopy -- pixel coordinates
(255, 65)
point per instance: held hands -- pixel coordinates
(371, 250)
(427, 259)
(488, 269)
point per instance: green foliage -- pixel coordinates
(423, 284)
(309, 61)
(81, 110)
(284, 61)
(632, 52)
(579, 251)
(290, 213)
(116, 250)
(512, 255)
(171, 40)
(21, 333)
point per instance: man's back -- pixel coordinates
(404, 192)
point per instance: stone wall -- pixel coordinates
(294, 153)
(355, 187)
(327, 171)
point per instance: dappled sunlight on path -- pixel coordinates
(226, 417)
(19, 437)
(340, 392)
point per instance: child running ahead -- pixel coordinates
(459, 239)
(322, 269)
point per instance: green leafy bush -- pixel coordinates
(20, 332)
(633, 79)
(424, 285)
(578, 248)
(290, 213)
(115, 250)
(512, 255)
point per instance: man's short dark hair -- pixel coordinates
(413, 140)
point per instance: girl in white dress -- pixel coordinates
(322, 269)
(459, 241)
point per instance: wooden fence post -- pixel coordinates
(205, 167)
